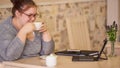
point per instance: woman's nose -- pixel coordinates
(32, 19)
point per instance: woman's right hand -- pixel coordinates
(25, 32)
(28, 28)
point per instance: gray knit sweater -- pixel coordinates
(12, 48)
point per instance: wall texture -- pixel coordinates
(54, 15)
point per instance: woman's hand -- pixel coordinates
(43, 28)
(26, 32)
(45, 33)
(28, 28)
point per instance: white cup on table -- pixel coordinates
(51, 60)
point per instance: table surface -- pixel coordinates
(66, 62)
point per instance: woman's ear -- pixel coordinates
(17, 13)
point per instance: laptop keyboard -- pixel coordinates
(68, 53)
(77, 53)
(84, 58)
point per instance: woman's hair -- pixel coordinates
(22, 5)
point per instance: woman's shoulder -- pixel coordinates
(6, 23)
(6, 26)
(7, 20)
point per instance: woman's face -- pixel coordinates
(27, 16)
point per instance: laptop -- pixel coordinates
(90, 57)
(77, 53)
(84, 55)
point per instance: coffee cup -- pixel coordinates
(37, 25)
(51, 60)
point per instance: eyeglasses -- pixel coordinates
(30, 15)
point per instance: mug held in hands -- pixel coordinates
(37, 25)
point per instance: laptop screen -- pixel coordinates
(103, 47)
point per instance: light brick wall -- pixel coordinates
(54, 15)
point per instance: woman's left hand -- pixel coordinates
(45, 33)
(43, 28)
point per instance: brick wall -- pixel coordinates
(54, 15)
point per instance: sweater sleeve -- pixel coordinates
(11, 49)
(47, 47)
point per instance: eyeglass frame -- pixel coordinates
(30, 15)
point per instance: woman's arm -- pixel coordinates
(10, 49)
(47, 44)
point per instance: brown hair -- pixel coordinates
(22, 5)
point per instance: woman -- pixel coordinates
(17, 36)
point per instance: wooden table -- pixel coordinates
(63, 62)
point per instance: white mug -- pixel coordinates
(51, 60)
(37, 25)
